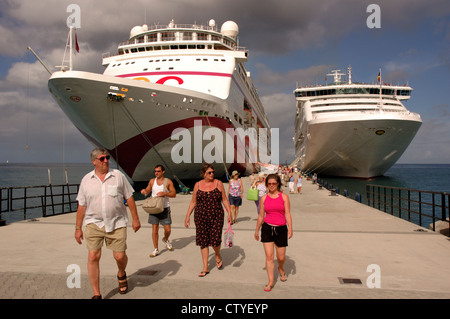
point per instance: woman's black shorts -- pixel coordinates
(276, 234)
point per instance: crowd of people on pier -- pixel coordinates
(102, 216)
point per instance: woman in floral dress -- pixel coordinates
(207, 199)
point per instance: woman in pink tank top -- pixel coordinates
(275, 222)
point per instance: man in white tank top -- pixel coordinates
(156, 187)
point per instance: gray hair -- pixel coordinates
(97, 151)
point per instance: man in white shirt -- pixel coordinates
(102, 211)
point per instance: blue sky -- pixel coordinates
(290, 42)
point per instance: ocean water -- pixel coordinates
(418, 177)
(425, 177)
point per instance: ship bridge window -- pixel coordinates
(202, 36)
(168, 36)
(220, 47)
(387, 91)
(404, 92)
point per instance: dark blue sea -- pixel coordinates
(426, 177)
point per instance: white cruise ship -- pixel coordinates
(165, 78)
(350, 129)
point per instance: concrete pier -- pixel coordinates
(336, 240)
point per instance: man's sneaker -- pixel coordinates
(168, 244)
(154, 253)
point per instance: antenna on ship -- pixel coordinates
(349, 74)
(381, 97)
(336, 75)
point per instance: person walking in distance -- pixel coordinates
(102, 212)
(156, 187)
(235, 193)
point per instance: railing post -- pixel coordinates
(392, 201)
(24, 203)
(409, 205)
(367, 194)
(420, 209)
(434, 214)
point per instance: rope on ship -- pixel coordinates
(327, 157)
(141, 132)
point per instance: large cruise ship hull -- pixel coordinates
(137, 129)
(362, 147)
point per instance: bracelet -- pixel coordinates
(77, 228)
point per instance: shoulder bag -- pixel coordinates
(155, 205)
(253, 194)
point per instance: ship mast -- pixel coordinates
(381, 98)
(336, 75)
(349, 74)
(70, 46)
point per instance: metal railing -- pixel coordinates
(39, 201)
(416, 206)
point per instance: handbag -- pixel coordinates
(155, 205)
(228, 236)
(253, 194)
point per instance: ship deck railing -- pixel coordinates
(173, 45)
(38, 201)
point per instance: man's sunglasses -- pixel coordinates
(102, 158)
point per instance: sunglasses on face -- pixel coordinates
(272, 183)
(157, 171)
(210, 172)
(103, 158)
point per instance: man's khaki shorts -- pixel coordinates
(115, 240)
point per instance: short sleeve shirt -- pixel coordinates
(104, 201)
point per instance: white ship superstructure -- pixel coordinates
(165, 78)
(352, 129)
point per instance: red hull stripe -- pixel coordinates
(174, 73)
(132, 151)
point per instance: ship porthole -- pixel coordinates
(380, 132)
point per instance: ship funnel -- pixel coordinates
(230, 29)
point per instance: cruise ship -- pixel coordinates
(351, 129)
(163, 81)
